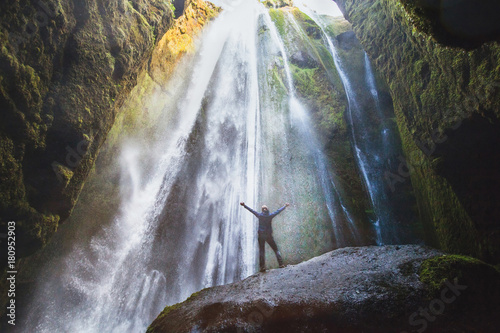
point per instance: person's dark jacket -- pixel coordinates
(265, 219)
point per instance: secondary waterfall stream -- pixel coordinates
(238, 132)
(372, 148)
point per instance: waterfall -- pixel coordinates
(385, 131)
(234, 134)
(370, 81)
(333, 199)
(300, 118)
(231, 126)
(371, 148)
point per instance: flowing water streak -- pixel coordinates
(370, 82)
(353, 106)
(368, 155)
(300, 118)
(329, 187)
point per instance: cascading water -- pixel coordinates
(370, 82)
(235, 135)
(372, 148)
(300, 119)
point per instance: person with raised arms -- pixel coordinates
(265, 234)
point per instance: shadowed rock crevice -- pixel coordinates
(468, 158)
(179, 7)
(458, 23)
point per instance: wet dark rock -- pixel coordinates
(278, 3)
(440, 59)
(303, 60)
(347, 40)
(458, 23)
(365, 289)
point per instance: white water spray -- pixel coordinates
(230, 137)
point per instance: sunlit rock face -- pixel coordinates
(179, 40)
(448, 111)
(66, 66)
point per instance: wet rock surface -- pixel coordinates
(446, 140)
(364, 289)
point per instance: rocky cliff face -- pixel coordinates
(178, 41)
(444, 78)
(369, 289)
(139, 106)
(65, 68)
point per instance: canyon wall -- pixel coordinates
(66, 67)
(442, 67)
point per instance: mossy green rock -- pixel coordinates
(447, 105)
(65, 68)
(463, 270)
(278, 3)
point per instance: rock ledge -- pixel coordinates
(364, 289)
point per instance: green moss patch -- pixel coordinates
(168, 309)
(465, 270)
(164, 313)
(278, 18)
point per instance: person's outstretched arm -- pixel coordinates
(250, 209)
(279, 210)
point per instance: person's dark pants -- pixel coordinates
(263, 238)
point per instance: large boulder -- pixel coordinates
(366, 289)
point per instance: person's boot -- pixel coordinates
(280, 259)
(262, 262)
